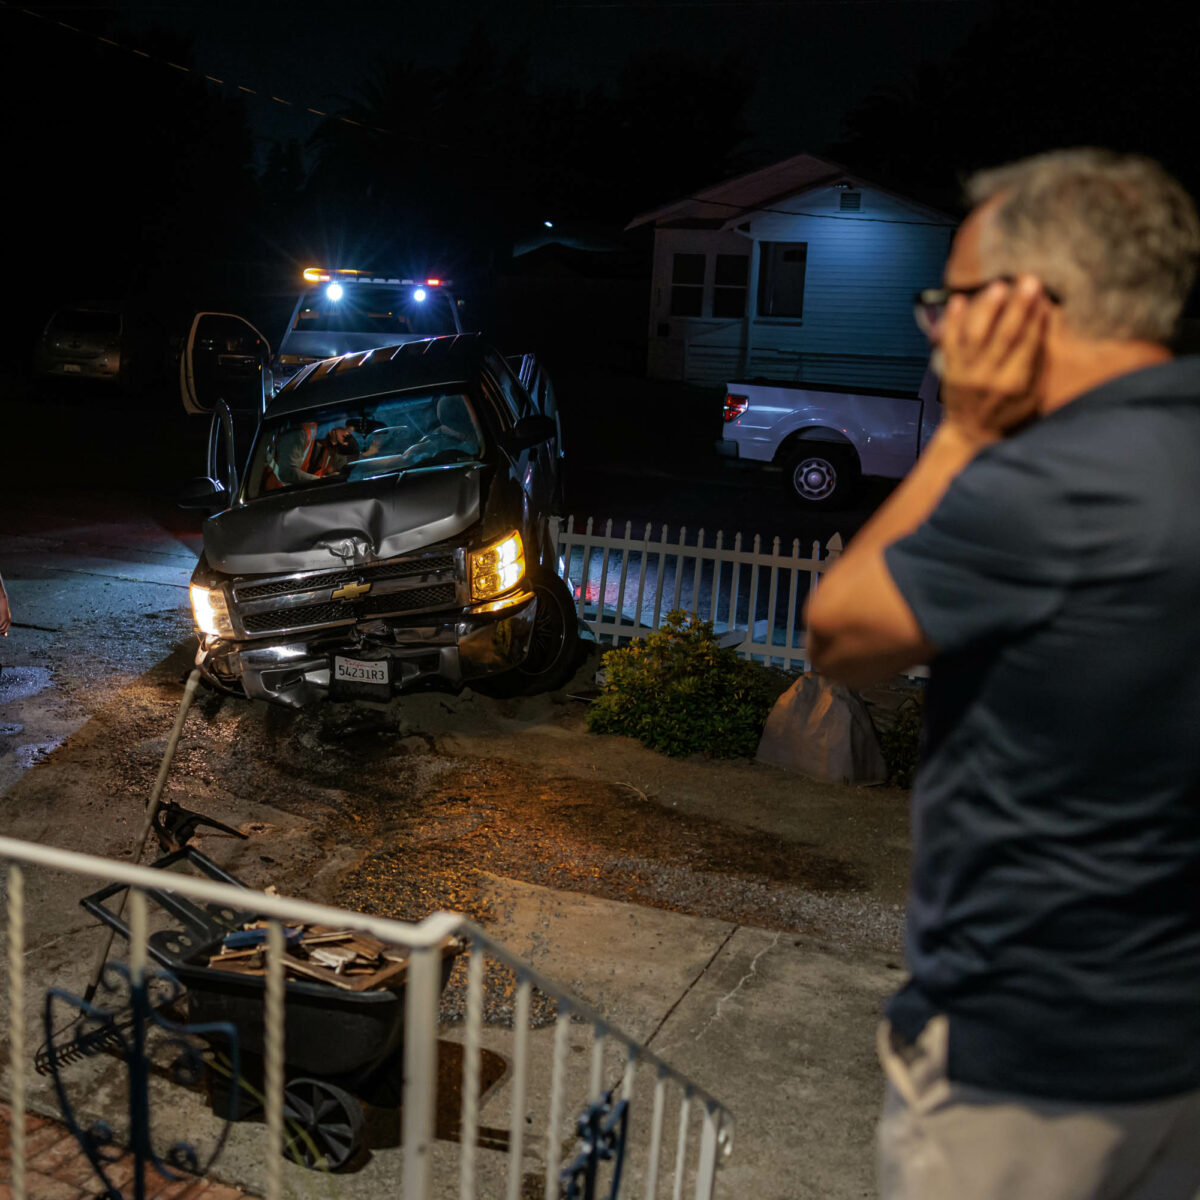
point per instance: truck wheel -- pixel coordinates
(553, 648)
(818, 475)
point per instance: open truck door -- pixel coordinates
(224, 358)
(223, 374)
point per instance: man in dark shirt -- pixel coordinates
(1044, 557)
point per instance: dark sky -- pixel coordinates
(811, 59)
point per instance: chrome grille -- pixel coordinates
(306, 601)
(440, 595)
(404, 568)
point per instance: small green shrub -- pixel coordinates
(679, 692)
(901, 743)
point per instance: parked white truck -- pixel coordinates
(827, 436)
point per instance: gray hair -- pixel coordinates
(1114, 235)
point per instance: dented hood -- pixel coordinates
(345, 525)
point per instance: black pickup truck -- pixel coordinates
(383, 526)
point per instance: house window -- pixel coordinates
(687, 285)
(729, 285)
(781, 270)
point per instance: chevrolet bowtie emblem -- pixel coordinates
(351, 591)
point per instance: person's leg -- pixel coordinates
(1173, 1172)
(942, 1141)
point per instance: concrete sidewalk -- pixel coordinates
(776, 1027)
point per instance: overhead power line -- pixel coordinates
(300, 106)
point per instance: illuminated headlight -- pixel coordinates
(334, 291)
(210, 612)
(497, 568)
(419, 295)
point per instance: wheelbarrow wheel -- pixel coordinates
(323, 1125)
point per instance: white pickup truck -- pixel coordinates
(827, 436)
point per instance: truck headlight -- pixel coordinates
(210, 612)
(497, 568)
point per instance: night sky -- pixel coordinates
(143, 179)
(811, 60)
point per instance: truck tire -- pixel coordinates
(820, 474)
(554, 648)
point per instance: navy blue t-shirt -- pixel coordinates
(1055, 905)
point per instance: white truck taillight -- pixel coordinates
(735, 405)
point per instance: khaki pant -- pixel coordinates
(946, 1141)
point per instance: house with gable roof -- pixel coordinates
(800, 272)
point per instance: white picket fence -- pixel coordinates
(754, 597)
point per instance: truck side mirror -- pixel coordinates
(530, 431)
(204, 494)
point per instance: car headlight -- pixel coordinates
(210, 612)
(497, 567)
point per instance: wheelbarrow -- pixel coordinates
(340, 1047)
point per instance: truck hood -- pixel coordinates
(353, 524)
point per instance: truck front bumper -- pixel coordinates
(442, 652)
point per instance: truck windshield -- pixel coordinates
(368, 308)
(364, 440)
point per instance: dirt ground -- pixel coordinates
(396, 809)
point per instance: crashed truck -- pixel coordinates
(379, 526)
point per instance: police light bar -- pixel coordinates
(326, 274)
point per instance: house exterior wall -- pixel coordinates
(857, 325)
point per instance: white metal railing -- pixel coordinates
(754, 597)
(702, 1140)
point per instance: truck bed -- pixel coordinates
(845, 389)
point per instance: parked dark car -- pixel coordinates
(81, 342)
(390, 531)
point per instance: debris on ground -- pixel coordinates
(344, 958)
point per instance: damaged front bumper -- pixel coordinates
(375, 659)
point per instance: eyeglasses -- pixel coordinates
(929, 304)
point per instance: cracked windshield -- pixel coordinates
(365, 440)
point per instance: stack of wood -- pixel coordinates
(344, 958)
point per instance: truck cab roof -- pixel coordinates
(414, 364)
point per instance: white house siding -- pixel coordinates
(857, 327)
(697, 349)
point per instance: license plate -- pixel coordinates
(71, 368)
(358, 670)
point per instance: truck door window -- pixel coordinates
(514, 397)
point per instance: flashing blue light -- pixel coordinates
(419, 295)
(334, 291)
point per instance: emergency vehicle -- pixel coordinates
(340, 310)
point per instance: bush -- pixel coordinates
(679, 692)
(901, 743)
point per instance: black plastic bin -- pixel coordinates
(339, 1045)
